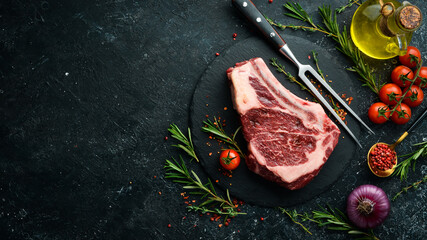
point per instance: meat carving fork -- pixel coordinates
(254, 15)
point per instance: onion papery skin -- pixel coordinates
(381, 207)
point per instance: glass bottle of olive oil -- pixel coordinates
(382, 29)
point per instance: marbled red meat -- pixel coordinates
(289, 139)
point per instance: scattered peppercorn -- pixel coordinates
(262, 219)
(270, 1)
(166, 138)
(169, 225)
(234, 35)
(217, 54)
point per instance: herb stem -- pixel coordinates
(402, 97)
(349, 4)
(293, 216)
(413, 185)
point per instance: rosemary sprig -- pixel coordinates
(345, 45)
(413, 185)
(180, 174)
(403, 167)
(332, 219)
(188, 146)
(217, 130)
(296, 11)
(299, 13)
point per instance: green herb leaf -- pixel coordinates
(178, 170)
(188, 143)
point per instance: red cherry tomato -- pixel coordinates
(407, 59)
(422, 79)
(402, 114)
(378, 113)
(229, 159)
(414, 97)
(398, 73)
(390, 94)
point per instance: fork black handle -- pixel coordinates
(248, 8)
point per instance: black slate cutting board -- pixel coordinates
(212, 98)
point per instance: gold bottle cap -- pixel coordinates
(410, 17)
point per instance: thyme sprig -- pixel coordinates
(345, 45)
(403, 167)
(294, 27)
(295, 217)
(280, 68)
(413, 185)
(218, 131)
(179, 172)
(316, 62)
(332, 219)
(349, 4)
(341, 113)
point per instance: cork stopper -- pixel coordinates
(410, 17)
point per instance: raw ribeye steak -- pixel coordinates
(289, 139)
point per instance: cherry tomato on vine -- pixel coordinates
(390, 93)
(378, 113)
(229, 159)
(414, 97)
(402, 114)
(407, 59)
(422, 79)
(397, 76)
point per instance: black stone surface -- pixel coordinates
(212, 97)
(87, 92)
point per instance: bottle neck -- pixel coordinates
(403, 20)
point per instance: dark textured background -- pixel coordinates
(88, 90)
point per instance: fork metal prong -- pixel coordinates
(319, 96)
(337, 97)
(302, 69)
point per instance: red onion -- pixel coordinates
(367, 206)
